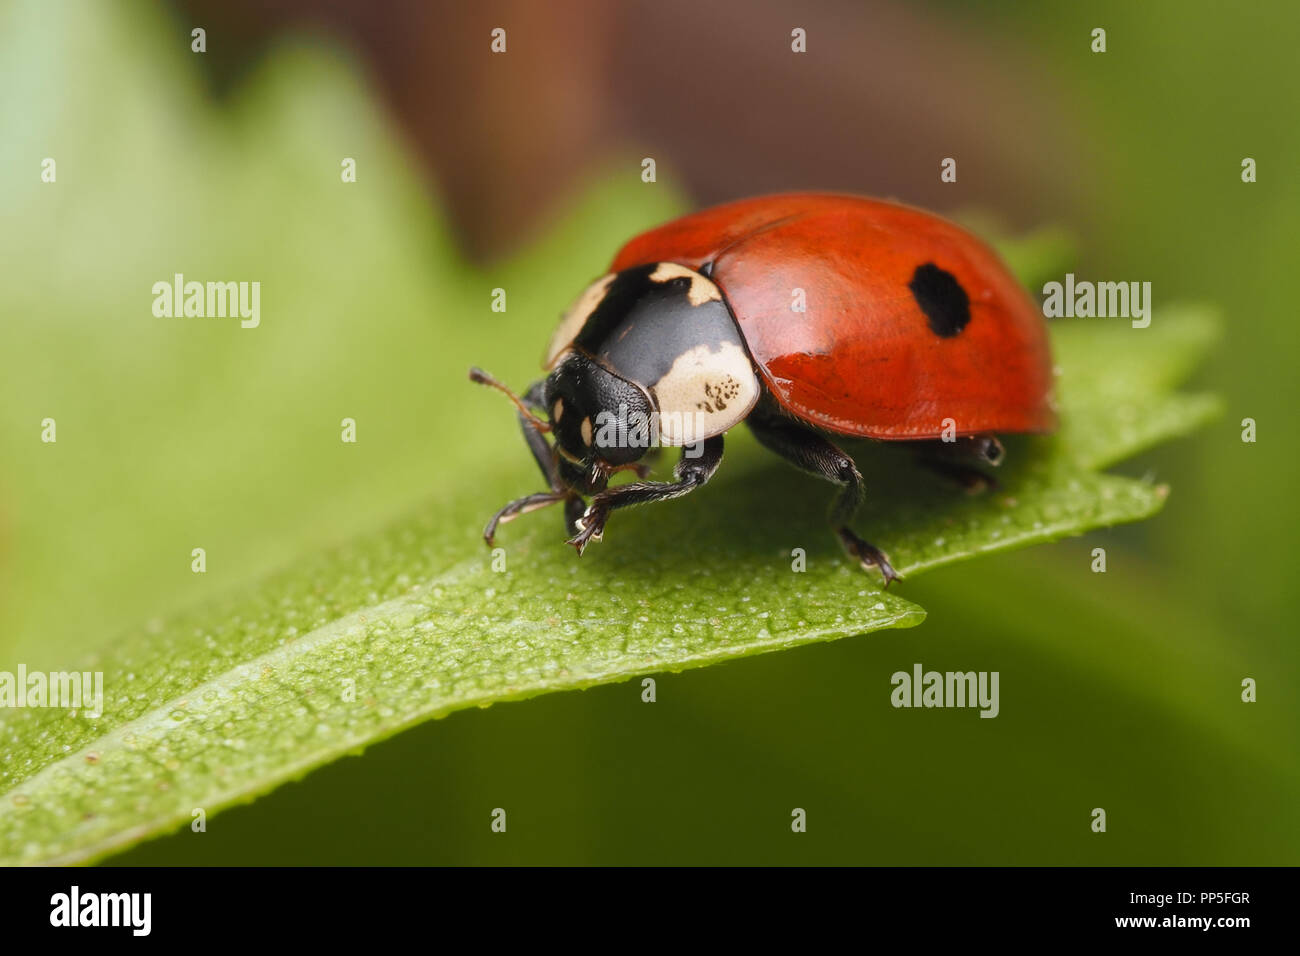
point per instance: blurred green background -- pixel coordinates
(1119, 690)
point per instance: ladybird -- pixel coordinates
(804, 315)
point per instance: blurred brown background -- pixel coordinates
(712, 91)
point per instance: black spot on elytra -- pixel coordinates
(941, 298)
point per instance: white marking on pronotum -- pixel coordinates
(701, 290)
(575, 318)
(705, 392)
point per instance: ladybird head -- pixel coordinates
(601, 422)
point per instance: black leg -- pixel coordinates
(811, 452)
(545, 458)
(574, 506)
(691, 473)
(521, 506)
(956, 460)
(536, 441)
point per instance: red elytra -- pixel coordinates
(862, 359)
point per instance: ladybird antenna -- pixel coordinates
(476, 374)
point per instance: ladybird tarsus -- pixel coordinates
(591, 527)
(514, 509)
(691, 474)
(868, 555)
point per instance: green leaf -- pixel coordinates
(1129, 407)
(348, 645)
